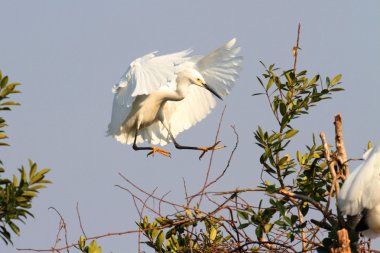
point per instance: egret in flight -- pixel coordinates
(360, 194)
(160, 96)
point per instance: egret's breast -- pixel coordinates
(144, 112)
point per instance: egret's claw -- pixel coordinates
(161, 151)
(213, 147)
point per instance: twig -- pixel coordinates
(141, 201)
(342, 155)
(211, 157)
(80, 221)
(295, 49)
(239, 190)
(330, 163)
(202, 191)
(63, 225)
(229, 159)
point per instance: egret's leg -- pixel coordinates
(204, 149)
(153, 149)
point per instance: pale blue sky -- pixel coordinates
(69, 54)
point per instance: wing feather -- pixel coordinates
(362, 187)
(182, 115)
(144, 75)
(221, 67)
(220, 70)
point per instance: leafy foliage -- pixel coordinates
(17, 193)
(91, 248)
(298, 187)
(178, 238)
(304, 182)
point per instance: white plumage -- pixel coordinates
(360, 193)
(155, 94)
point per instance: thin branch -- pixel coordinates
(295, 49)
(211, 158)
(63, 224)
(202, 191)
(342, 155)
(80, 221)
(330, 163)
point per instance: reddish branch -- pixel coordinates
(295, 49)
(341, 151)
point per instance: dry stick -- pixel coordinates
(211, 157)
(139, 233)
(174, 205)
(202, 191)
(145, 192)
(344, 243)
(141, 214)
(159, 203)
(295, 49)
(141, 201)
(295, 53)
(229, 159)
(104, 235)
(342, 156)
(80, 221)
(208, 169)
(343, 238)
(331, 165)
(60, 227)
(239, 190)
(63, 225)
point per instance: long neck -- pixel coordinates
(181, 91)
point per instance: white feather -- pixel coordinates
(361, 191)
(151, 74)
(362, 187)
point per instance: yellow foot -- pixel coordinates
(161, 151)
(213, 147)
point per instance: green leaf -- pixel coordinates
(243, 215)
(270, 83)
(260, 81)
(282, 108)
(162, 221)
(290, 133)
(243, 225)
(213, 233)
(160, 240)
(267, 228)
(259, 232)
(93, 248)
(33, 169)
(4, 81)
(335, 80)
(271, 189)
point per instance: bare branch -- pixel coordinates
(80, 220)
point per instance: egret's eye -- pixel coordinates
(198, 80)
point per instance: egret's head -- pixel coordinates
(196, 78)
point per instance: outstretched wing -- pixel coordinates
(221, 67)
(220, 70)
(144, 75)
(361, 189)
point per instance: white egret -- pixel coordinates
(360, 194)
(160, 96)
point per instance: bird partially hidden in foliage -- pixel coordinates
(360, 194)
(160, 96)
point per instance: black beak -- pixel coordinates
(212, 91)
